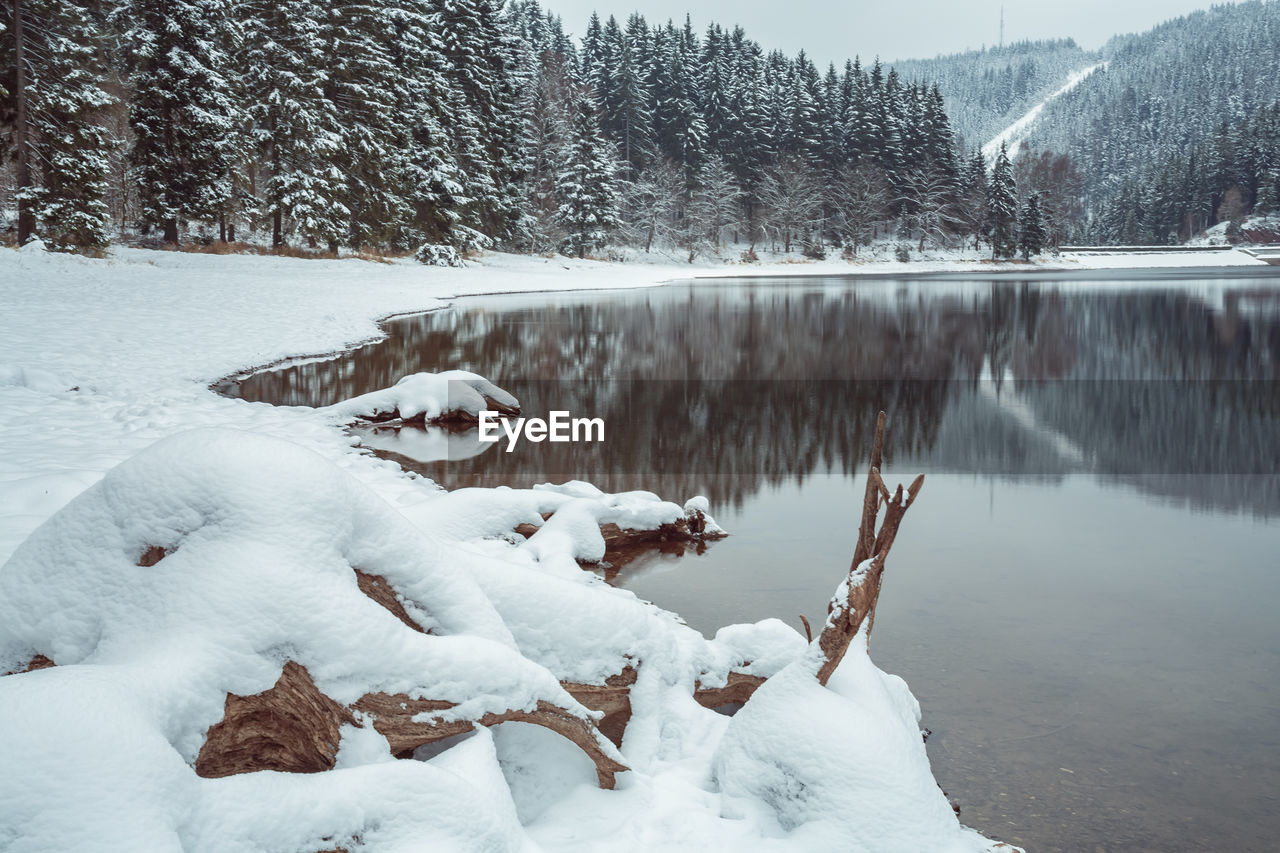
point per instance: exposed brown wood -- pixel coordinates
(855, 601)
(151, 556)
(394, 718)
(37, 662)
(294, 727)
(613, 699)
(291, 727)
(623, 545)
(739, 688)
(377, 588)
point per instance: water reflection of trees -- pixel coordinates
(723, 390)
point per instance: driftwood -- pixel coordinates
(855, 600)
(294, 727)
(624, 544)
(394, 718)
(377, 588)
(291, 727)
(37, 662)
(454, 420)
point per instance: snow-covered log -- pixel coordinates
(456, 396)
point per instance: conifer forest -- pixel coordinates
(444, 126)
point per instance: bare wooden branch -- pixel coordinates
(377, 588)
(855, 600)
(408, 723)
(739, 688)
(294, 727)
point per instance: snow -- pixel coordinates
(113, 444)
(428, 395)
(1015, 134)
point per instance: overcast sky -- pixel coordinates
(893, 29)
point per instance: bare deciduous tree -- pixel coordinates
(792, 201)
(860, 199)
(928, 204)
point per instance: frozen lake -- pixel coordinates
(1083, 598)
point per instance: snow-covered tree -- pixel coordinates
(1002, 208)
(927, 199)
(183, 109)
(588, 208)
(296, 128)
(716, 205)
(1031, 229)
(792, 200)
(860, 199)
(58, 99)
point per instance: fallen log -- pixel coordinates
(294, 727)
(623, 545)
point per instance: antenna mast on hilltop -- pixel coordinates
(1002, 26)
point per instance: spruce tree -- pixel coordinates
(297, 129)
(588, 208)
(62, 157)
(1031, 229)
(1002, 208)
(183, 111)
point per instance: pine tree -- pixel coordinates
(362, 81)
(62, 149)
(183, 113)
(482, 63)
(297, 129)
(1002, 208)
(588, 208)
(1031, 229)
(430, 178)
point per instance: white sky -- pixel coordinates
(896, 29)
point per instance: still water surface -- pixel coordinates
(1084, 597)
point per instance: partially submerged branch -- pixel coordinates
(855, 599)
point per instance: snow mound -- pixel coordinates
(215, 560)
(850, 773)
(430, 397)
(194, 571)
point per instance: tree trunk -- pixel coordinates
(277, 229)
(171, 231)
(26, 222)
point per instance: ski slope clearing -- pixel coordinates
(1015, 134)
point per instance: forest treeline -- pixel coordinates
(457, 124)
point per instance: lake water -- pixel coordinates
(1084, 596)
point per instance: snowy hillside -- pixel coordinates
(987, 90)
(1013, 136)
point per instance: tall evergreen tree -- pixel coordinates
(183, 109)
(58, 96)
(296, 128)
(588, 198)
(1031, 229)
(1002, 208)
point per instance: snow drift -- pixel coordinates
(210, 563)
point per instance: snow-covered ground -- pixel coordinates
(263, 510)
(1013, 135)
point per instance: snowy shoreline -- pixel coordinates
(127, 377)
(163, 327)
